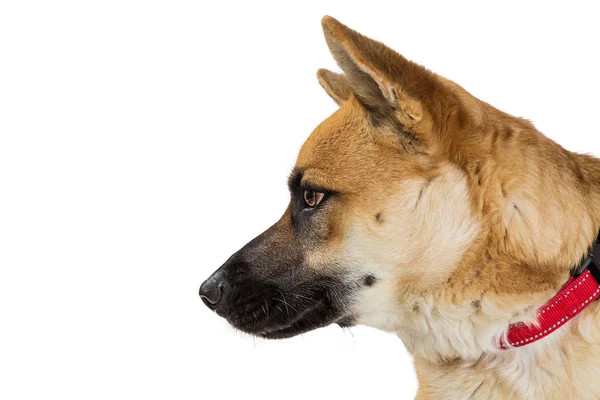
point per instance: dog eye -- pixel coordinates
(312, 198)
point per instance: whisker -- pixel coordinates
(286, 305)
(284, 301)
(266, 304)
(300, 296)
(279, 308)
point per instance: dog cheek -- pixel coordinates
(378, 306)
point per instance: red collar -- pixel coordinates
(578, 293)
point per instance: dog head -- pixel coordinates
(388, 208)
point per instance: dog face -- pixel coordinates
(410, 208)
(366, 224)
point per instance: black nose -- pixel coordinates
(213, 290)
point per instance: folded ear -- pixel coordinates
(381, 79)
(336, 85)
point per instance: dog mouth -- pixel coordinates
(273, 313)
(317, 316)
(301, 326)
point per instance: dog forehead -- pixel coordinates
(341, 135)
(343, 148)
(346, 152)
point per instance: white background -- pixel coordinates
(141, 143)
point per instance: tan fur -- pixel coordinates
(469, 218)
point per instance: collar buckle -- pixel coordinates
(591, 263)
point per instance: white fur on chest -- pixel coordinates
(564, 365)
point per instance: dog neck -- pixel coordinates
(560, 366)
(542, 214)
(456, 350)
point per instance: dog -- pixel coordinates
(419, 209)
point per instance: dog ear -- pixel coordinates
(382, 80)
(336, 85)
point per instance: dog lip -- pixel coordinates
(285, 332)
(294, 329)
(300, 325)
(285, 329)
(281, 334)
(289, 329)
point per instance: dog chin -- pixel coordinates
(318, 316)
(295, 329)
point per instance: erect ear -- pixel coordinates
(336, 85)
(381, 79)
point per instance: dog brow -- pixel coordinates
(295, 179)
